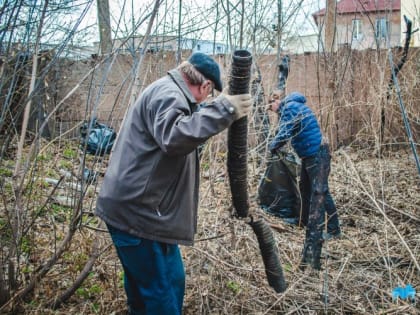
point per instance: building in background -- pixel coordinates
(300, 44)
(364, 24)
(411, 9)
(206, 46)
(168, 43)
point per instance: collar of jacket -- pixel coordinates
(179, 80)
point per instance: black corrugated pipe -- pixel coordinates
(270, 255)
(237, 169)
(238, 134)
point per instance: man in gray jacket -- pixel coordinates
(149, 197)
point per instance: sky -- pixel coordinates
(302, 22)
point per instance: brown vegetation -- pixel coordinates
(377, 197)
(379, 204)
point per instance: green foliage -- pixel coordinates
(95, 308)
(69, 153)
(3, 224)
(83, 293)
(121, 277)
(59, 209)
(75, 261)
(205, 166)
(287, 267)
(26, 269)
(95, 289)
(79, 261)
(234, 287)
(89, 219)
(26, 245)
(8, 188)
(5, 172)
(89, 292)
(51, 172)
(5, 230)
(60, 213)
(68, 165)
(44, 157)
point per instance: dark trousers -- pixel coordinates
(315, 191)
(154, 276)
(316, 200)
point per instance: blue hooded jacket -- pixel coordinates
(297, 123)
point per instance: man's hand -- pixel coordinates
(241, 103)
(279, 151)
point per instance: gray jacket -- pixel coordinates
(150, 189)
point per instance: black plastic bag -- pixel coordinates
(278, 192)
(97, 138)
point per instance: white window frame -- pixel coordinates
(382, 28)
(357, 29)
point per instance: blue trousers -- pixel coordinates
(154, 275)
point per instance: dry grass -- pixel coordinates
(378, 201)
(379, 204)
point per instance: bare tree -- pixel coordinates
(52, 246)
(104, 24)
(330, 26)
(21, 217)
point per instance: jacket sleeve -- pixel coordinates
(285, 131)
(178, 131)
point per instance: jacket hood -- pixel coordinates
(293, 97)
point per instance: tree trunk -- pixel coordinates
(330, 25)
(104, 24)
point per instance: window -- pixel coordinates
(382, 28)
(357, 29)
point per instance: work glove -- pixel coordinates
(281, 152)
(241, 104)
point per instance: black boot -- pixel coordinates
(332, 234)
(311, 254)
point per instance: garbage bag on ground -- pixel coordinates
(278, 192)
(97, 138)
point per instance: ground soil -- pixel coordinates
(378, 202)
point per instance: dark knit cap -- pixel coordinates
(207, 67)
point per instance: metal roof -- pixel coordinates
(363, 6)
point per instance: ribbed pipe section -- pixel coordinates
(238, 134)
(237, 169)
(270, 255)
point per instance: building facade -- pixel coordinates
(411, 9)
(169, 43)
(364, 24)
